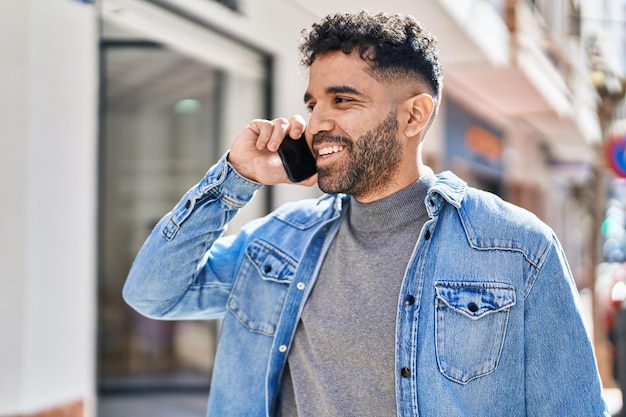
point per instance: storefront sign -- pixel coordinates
(472, 140)
(483, 143)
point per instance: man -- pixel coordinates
(399, 292)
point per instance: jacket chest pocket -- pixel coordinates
(259, 291)
(470, 326)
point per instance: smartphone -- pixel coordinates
(297, 158)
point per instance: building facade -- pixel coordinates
(113, 108)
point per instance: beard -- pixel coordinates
(369, 163)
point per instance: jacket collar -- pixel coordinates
(448, 187)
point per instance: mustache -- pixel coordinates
(328, 138)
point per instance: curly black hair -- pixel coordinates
(395, 44)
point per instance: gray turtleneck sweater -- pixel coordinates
(342, 361)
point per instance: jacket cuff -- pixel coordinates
(223, 181)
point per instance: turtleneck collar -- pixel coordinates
(393, 211)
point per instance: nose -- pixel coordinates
(320, 120)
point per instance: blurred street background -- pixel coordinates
(112, 109)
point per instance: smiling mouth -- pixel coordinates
(328, 150)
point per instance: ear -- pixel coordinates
(418, 111)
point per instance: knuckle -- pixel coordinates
(281, 121)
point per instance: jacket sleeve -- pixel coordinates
(562, 378)
(185, 269)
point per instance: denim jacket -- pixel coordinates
(488, 318)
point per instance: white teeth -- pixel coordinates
(330, 149)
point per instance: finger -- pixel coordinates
(263, 130)
(297, 126)
(280, 127)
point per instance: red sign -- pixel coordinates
(616, 154)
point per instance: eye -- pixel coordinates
(340, 100)
(310, 106)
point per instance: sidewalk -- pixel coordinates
(153, 405)
(180, 394)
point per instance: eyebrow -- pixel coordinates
(339, 89)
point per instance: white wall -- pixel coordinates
(12, 137)
(48, 129)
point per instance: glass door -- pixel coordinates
(166, 118)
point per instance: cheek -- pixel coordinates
(359, 120)
(351, 127)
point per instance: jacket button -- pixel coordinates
(188, 204)
(473, 307)
(409, 300)
(405, 372)
(282, 348)
(427, 235)
(267, 268)
(300, 286)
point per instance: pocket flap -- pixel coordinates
(270, 263)
(476, 299)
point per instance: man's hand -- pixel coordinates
(254, 151)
